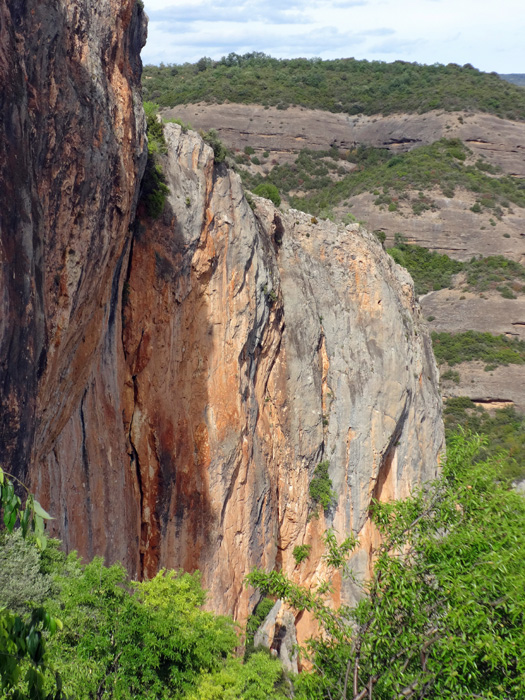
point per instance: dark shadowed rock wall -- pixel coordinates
(71, 156)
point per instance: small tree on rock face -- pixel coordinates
(444, 614)
(220, 151)
(320, 488)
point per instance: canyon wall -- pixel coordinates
(258, 344)
(168, 392)
(72, 152)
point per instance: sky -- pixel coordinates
(489, 35)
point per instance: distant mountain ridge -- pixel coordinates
(515, 78)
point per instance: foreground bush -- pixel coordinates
(443, 616)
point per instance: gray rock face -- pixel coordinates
(277, 633)
(259, 344)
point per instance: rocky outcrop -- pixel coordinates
(277, 633)
(284, 132)
(451, 226)
(71, 159)
(172, 391)
(257, 345)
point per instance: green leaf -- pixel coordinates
(41, 512)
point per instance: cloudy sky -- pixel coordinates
(489, 35)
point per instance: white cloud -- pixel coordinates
(486, 35)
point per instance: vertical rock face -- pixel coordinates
(71, 157)
(173, 392)
(259, 344)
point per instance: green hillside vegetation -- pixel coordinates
(341, 85)
(454, 348)
(503, 428)
(429, 270)
(432, 271)
(393, 179)
(127, 640)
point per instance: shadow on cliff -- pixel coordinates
(167, 342)
(68, 184)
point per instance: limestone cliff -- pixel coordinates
(258, 344)
(174, 390)
(71, 159)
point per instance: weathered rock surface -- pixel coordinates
(452, 228)
(71, 158)
(258, 346)
(174, 390)
(277, 633)
(284, 132)
(454, 310)
(502, 386)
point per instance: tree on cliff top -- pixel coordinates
(444, 613)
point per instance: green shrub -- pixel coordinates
(154, 191)
(504, 429)
(506, 292)
(301, 552)
(126, 640)
(429, 270)
(433, 271)
(268, 191)
(250, 200)
(486, 273)
(455, 348)
(259, 678)
(154, 129)
(451, 376)
(23, 584)
(185, 126)
(220, 151)
(320, 488)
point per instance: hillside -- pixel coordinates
(343, 85)
(231, 411)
